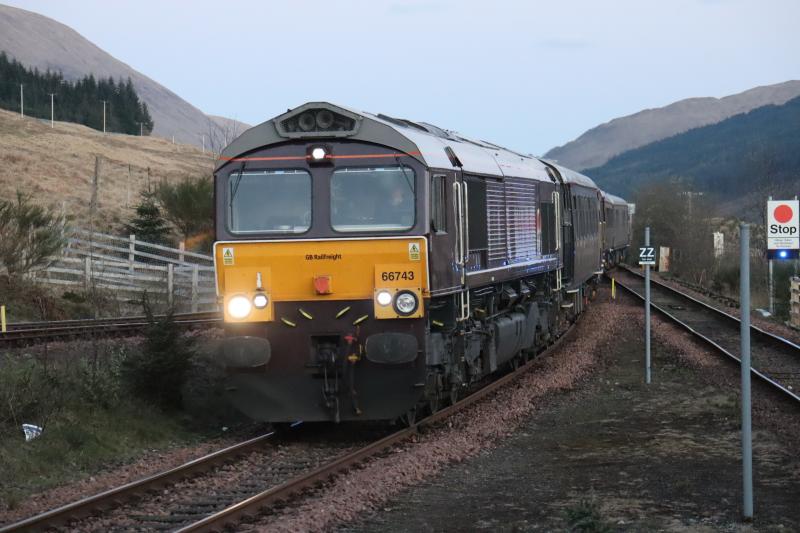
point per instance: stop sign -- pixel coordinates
(783, 230)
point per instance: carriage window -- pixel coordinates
(372, 199)
(438, 204)
(269, 201)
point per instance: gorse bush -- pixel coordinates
(158, 371)
(189, 205)
(30, 235)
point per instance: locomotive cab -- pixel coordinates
(322, 270)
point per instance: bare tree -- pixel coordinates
(221, 133)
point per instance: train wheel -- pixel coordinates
(453, 394)
(435, 402)
(409, 417)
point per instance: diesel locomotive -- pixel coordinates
(370, 266)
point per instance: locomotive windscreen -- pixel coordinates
(269, 201)
(372, 199)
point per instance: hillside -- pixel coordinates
(595, 147)
(38, 41)
(57, 166)
(751, 154)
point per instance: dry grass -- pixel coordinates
(57, 165)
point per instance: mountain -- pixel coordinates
(599, 144)
(751, 154)
(41, 42)
(57, 166)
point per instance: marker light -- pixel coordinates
(384, 298)
(318, 153)
(260, 300)
(239, 307)
(783, 254)
(405, 303)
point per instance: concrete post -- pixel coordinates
(747, 438)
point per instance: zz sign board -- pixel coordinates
(647, 255)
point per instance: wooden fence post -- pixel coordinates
(181, 248)
(131, 252)
(195, 286)
(170, 282)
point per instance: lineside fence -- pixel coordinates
(128, 267)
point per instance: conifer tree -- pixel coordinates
(148, 224)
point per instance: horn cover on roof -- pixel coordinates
(317, 119)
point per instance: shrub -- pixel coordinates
(585, 517)
(158, 371)
(188, 204)
(32, 235)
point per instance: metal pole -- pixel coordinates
(747, 437)
(647, 311)
(52, 110)
(104, 116)
(770, 284)
(204, 144)
(21, 101)
(771, 289)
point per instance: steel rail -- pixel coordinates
(774, 339)
(81, 322)
(116, 496)
(758, 331)
(28, 333)
(253, 505)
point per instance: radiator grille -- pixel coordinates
(521, 215)
(496, 214)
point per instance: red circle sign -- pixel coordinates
(783, 213)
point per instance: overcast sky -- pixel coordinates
(527, 75)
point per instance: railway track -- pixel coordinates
(774, 360)
(35, 332)
(216, 506)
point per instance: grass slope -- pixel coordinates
(57, 166)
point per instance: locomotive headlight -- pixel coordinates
(405, 303)
(383, 298)
(260, 300)
(318, 153)
(239, 307)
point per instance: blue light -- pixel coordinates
(783, 254)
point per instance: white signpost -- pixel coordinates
(783, 236)
(783, 225)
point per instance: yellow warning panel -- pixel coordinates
(297, 267)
